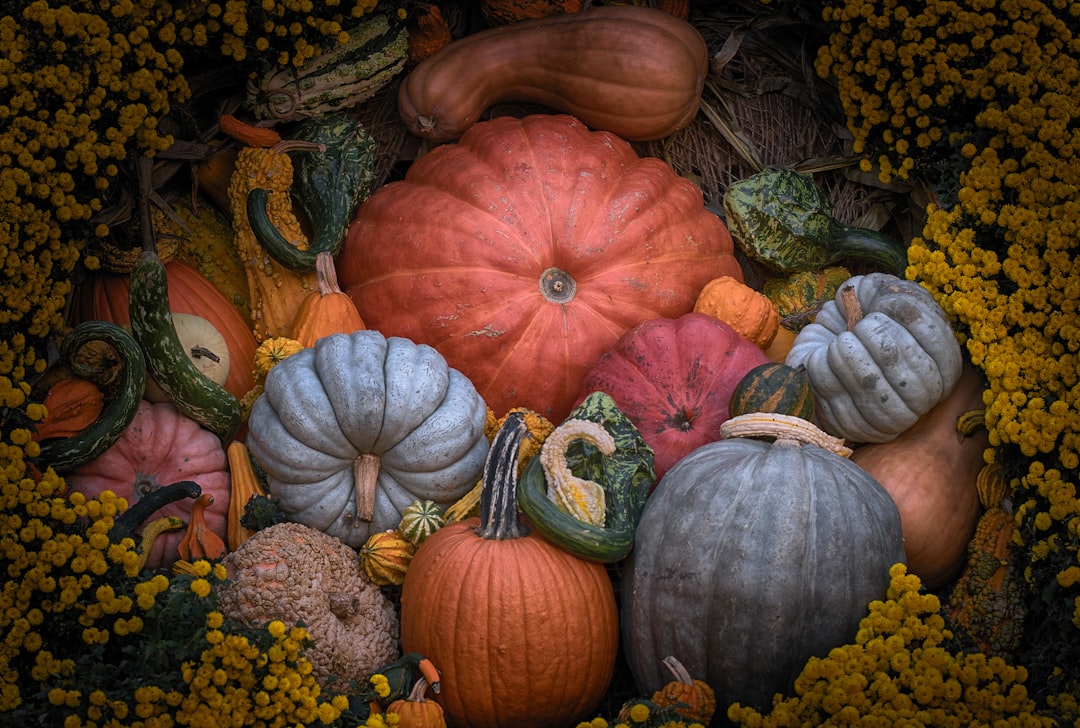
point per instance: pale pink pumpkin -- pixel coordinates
(161, 446)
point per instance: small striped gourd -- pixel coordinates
(773, 387)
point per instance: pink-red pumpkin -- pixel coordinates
(673, 378)
(161, 447)
(523, 251)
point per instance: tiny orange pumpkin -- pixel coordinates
(693, 699)
(325, 311)
(415, 711)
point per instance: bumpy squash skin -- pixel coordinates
(540, 243)
(634, 71)
(931, 473)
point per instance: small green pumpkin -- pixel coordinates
(420, 519)
(773, 387)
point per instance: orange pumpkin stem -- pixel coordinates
(366, 476)
(853, 312)
(200, 541)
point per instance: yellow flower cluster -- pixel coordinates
(906, 70)
(67, 587)
(284, 32)
(898, 671)
(81, 90)
(982, 99)
(273, 686)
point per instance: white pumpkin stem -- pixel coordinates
(783, 427)
(678, 670)
(365, 479)
(416, 695)
(853, 312)
(583, 499)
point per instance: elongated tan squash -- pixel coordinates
(634, 71)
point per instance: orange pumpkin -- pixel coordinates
(415, 711)
(71, 405)
(325, 311)
(691, 698)
(535, 630)
(525, 250)
(753, 316)
(931, 471)
(106, 299)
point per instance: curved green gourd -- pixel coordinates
(626, 477)
(328, 185)
(66, 454)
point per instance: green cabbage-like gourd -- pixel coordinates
(784, 220)
(330, 181)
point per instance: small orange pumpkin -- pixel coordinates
(416, 712)
(71, 405)
(328, 310)
(693, 699)
(744, 309)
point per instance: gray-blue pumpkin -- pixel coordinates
(750, 557)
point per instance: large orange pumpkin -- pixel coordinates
(106, 299)
(523, 251)
(525, 635)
